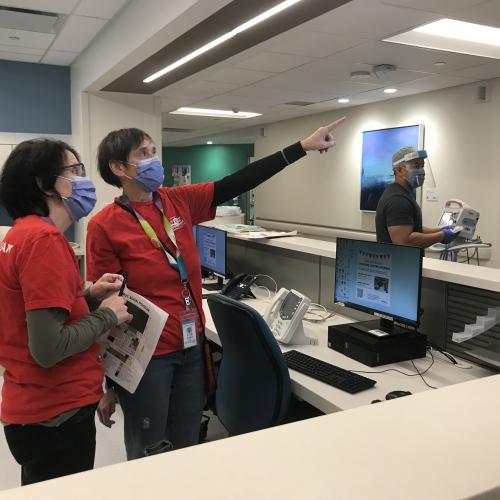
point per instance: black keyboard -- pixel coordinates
(327, 373)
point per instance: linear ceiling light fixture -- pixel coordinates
(227, 36)
(215, 113)
(454, 36)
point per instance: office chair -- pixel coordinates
(253, 384)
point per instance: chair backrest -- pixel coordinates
(253, 384)
(3, 231)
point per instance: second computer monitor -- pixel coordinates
(379, 278)
(212, 247)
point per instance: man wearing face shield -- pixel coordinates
(399, 218)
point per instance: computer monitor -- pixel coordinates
(382, 279)
(212, 247)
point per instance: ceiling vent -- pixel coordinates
(299, 103)
(29, 20)
(177, 130)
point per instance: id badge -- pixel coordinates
(189, 321)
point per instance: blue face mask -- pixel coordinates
(150, 174)
(82, 199)
(416, 178)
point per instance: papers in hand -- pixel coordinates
(260, 235)
(129, 346)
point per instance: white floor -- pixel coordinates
(110, 448)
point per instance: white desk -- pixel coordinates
(438, 445)
(487, 278)
(328, 399)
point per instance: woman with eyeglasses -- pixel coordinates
(53, 374)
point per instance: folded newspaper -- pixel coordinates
(129, 346)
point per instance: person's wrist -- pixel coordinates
(305, 145)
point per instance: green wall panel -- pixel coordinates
(209, 162)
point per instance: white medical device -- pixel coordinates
(460, 214)
(284, 316)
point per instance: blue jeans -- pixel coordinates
(167, 404)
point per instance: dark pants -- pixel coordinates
(50, 452)
(168, 403)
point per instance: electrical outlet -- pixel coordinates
(431, 195)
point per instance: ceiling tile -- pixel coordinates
(481, 72)
(436, 82)
(487, 13)
(227, 101)
(77, 33)
(323, 73)
(313, 44)
(16, 56)
(238, 76)
(405, 56)
(369, 19)
(447, 7)
(59, 57)
(61, 6)
(26, 38)
(98, 8)
(272, 62)
(22, 50)
(209, 88)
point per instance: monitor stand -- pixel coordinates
(380, 327)
(214, 286)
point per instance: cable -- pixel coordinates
(269, 293)
(452, 360)
(319, 318)
(427, 369)
(271, 278)
(418, 374)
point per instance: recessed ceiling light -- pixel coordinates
(454, 36)
(223, 38)
(439, 63)
(209, 142)
(216, 113)
(390, 91)
(343, 100)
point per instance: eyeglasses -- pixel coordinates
(76, 169)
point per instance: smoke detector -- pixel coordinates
(383, 71)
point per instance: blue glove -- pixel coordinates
(450, 233)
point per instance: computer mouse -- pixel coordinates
(397, 394)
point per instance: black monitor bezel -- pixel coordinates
(206, 268)
(375, 312)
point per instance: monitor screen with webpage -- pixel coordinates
(212, 246)
(379, 278)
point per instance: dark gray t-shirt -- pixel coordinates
(396, 207)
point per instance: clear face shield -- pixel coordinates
(418, 166)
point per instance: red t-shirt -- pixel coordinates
(38, 270)
(116, 242)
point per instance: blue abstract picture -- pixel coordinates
(376, 160)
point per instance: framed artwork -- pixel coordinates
(376, 160)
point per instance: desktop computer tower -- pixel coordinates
(374, 351)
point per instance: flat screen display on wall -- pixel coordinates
(376, 159)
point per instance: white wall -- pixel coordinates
(103, 113)
(461, 137)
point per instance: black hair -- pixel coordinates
(30, 172)
(116, 146)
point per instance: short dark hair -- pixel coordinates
(116, 146)
(28, 173)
